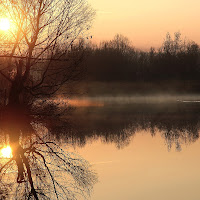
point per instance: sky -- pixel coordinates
(146, 22)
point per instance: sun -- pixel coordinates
(4, 24)
(6, 152)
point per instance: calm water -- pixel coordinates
(144, 169)
(141, 148)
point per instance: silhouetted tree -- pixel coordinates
(177, 60)
(40, 53)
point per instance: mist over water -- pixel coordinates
(131, 99)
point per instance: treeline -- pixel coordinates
(117, 60)
(175, 66)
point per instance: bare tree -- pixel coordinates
(39, 45)
(38, 55)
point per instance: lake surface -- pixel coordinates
(141, 148)
(145, 169)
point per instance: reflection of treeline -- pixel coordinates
(117, 60)
(178, 124)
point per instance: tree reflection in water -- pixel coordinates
(178, 124)
(40, 168)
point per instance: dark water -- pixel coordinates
(177, 121)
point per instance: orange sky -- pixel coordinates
(146, 22)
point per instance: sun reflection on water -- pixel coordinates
(6, 152)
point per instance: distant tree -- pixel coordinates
(173, 46)
(109, 58)
(117, 60)
(120, 43)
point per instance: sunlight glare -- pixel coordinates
(6, 152)
(4, 24)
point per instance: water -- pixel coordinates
(141, 150)
(145, 169)
(140, 147)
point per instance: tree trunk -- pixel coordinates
(15, 93)
(17, 86)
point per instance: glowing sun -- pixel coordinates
(6, 152)
(4, 24)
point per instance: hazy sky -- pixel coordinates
(146, 22)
